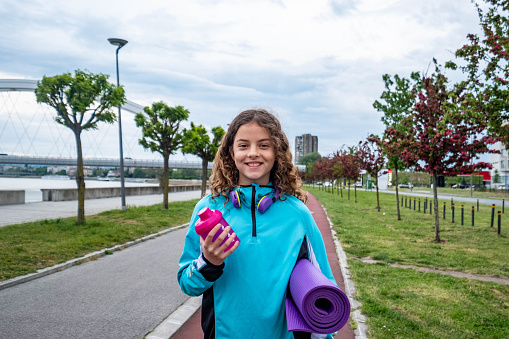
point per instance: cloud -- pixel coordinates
(318, 64)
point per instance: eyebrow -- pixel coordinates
(244, 140)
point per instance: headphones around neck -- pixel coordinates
(263, 205)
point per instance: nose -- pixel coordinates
(253, 151)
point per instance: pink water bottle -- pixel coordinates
(210, 218)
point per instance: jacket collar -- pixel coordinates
(246, 193)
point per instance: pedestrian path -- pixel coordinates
(192, 329)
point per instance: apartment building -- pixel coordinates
(305, 144)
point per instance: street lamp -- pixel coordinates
(120, 43)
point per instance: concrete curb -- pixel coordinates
(362, 329)
(174, 321)
(91, 256)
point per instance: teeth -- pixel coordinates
(254, 165)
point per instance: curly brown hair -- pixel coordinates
(284, 175)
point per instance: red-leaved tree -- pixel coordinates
(437, 138)
(348, 161)
(372, 159)
(487, 69)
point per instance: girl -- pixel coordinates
(256, 187)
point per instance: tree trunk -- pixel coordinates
(435, 205)
(377, 197)
(355, 190)
(204, 165)
(397, 192)
(349, 189)
(341, 187)
(80, 181)
(166, 174)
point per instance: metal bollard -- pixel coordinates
(477, 205)
(462, 214)
(444, 210)
(452, 209)
(473, 208)
(499, 221)
(430, 203)
(419, 205)
(492, 214)
(414, 204)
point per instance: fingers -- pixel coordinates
(214, 250)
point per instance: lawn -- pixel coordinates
(404, 303)
(25, 248)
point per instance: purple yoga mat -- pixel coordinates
(314, 304)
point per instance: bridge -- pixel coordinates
(98, 162)
(29, 135)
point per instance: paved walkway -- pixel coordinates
(192, 328)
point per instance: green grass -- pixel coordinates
(25, 248)
(364, 232)
(405, 303)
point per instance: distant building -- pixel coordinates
(305, 144)
(500, 163)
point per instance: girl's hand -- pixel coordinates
(213, 251)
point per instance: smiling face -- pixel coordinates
(253, 154)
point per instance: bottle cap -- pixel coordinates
(205, 213)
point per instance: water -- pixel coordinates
(33, 186)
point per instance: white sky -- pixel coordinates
(317, 65)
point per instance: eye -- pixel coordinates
(264, 146)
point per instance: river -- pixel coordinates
(33, 186)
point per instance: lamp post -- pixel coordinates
(120, 43)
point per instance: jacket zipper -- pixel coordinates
(253, 210)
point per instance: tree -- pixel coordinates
(437, 139)
(487, 70)
(82, 101)
(348, 162)
(372, 160)
(397, 101)
(322, 168)
(160, 125)
(139, 173)
(196, 141)
(309, 158)
(496, 178)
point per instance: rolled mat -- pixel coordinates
(314, 304)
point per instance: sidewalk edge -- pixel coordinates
(362, 329)
(171, 324)
(77, 261)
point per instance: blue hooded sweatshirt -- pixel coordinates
(245, 296)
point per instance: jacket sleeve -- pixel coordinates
(196, 274)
